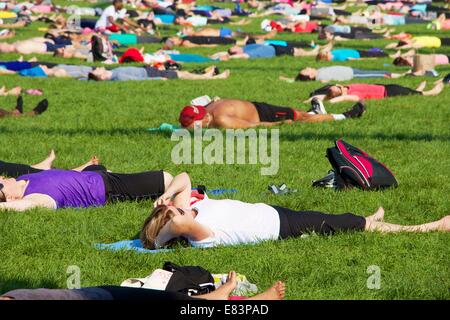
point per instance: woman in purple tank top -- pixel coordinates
(92, 187)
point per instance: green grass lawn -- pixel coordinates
(410, 134)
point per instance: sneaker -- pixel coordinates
(317, 107)
(356, 111)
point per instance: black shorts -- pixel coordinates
(271, 113)
(148, 39)
(53, 47)
(131, 186)
(372, 54)
(14, 170)
(127, 293)
(283, 50)
(445, 42)
(393, 90)
(156, 73)
(295, 223)
(209, 40)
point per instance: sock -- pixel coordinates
(338, 117)
(311, 112)
(41, 107)
(19, 105)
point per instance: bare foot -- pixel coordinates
(378, 215)
(15, 91)
(34, 59)
(47, 163)
(421, 86)
(224, 291)
(444, 224)
(276, 292)
(223, 75)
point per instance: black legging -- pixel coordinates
(372, 54)
(393, 90)
(209, 40)
(125, 293)
(15, 170)
(445, 42)
(130, 186)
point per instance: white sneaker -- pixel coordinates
(317, 107)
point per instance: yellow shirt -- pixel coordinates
(7, 15)
(427, 42)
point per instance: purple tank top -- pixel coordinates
(69, 189)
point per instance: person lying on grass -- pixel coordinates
(339, 73)
(147, 72)
(235, 114)
(94, 186)
(18, 110)
(209, 37)
(361, 91)
(420, 42)
(209, 223)
(256, 51)
(14, 170)
(349, 54)
(276, 292)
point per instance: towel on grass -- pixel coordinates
(128, 245)
(189, 57)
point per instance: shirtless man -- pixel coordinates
(235, 114)
(31, 46)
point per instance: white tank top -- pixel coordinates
(236, 222)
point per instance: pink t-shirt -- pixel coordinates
(440, 59)
(445, 25)
(367, 91)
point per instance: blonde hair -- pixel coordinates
(153, 225)
(322, 56)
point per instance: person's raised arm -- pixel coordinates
(29, 202)
(178, 191)
(182, 226)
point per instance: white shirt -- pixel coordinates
(236, 222)
(109, 12)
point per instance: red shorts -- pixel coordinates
(113, 28)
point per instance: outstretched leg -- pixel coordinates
(276, 292)
(318, 113)
(374, 223)
(47, 163)
(94, 161)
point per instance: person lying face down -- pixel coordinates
(147, 72)
(362, 91)
(234, 114)
(209, 223)
(94, 186)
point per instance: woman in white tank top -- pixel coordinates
(209, 222)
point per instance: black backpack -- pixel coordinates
(191, 280)
(352, 167)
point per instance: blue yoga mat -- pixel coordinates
(186, 57)
(128, 245)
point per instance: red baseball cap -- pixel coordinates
(189, 114)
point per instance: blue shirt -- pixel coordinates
(255, 51)
(344, 54)
(129, 73)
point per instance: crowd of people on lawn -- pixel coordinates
(110, 36)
